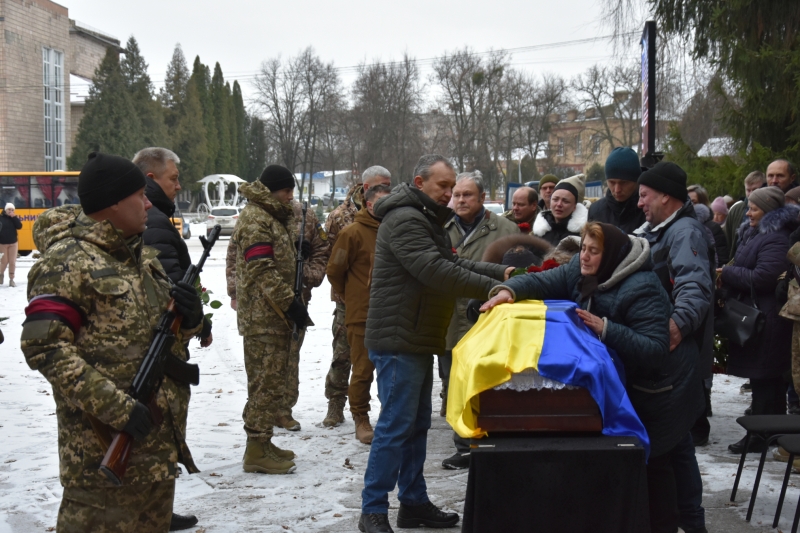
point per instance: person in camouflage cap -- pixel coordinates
(95, 297)
(267, 310)
(313, 274)
(338, 378)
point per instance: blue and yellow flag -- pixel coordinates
(549, 337)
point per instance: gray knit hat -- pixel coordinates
(768, 198)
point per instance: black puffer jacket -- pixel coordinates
(8, 228)
(416, 277)
(162, 235)
(637, 308)
(546, 227)
(625, 215)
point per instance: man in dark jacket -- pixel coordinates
(160, 166)
(416, 279)
(680, 251)
(620, 205)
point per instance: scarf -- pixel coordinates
(616, 246)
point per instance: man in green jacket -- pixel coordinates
(416, 279)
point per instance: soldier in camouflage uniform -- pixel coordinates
(313, 274)
(337, 380)
(95, 296)
(267, 310)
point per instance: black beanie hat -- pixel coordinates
(668, 178)
(277, 177)
(106, 180)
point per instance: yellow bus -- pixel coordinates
(32, 193)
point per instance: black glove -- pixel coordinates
(304, 247)
(140, 423)
(188, 304)
(297, 313)
(474, 310)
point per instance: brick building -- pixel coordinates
(41, 48)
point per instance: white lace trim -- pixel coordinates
(530, 379)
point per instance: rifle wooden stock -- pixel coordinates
(148, 378)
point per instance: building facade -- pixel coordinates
(39, 50)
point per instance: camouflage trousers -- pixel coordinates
(336, 382)
(126, 509)
(271, 362)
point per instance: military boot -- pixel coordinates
(364, 431)
(335, 416)
(288, 455)
(259, 457)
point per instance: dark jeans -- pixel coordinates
(397, 454)
(769, 396)
(689, 485)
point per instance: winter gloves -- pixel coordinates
(139, 424)
(298, 313)
(188, 304)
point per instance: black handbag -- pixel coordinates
(737, 321)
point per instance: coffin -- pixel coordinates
(566, 409)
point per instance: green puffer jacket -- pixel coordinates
(117, 291)
(416, 277)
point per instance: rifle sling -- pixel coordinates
(181, 371)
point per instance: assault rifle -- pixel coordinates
(298, 275)
(151, 372)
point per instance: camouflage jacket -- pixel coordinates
(340, 218)
(265, 255)
(94, 301)
(313, 267)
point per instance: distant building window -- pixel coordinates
(578, 145)
(561, 147)
(596, 142)
(53, 81)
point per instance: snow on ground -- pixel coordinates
(324, 493)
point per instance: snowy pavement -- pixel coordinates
(324, 494)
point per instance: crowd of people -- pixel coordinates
(410, 269)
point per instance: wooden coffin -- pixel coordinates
(538, 410)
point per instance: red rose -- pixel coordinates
(524, 227)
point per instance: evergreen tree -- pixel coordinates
(134, 71)
(220, 100)
(240, 129)
(110, 121)
(256, 147)
(190, 139)
(201, 78)
(175, 84)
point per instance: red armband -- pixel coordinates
(51, 307)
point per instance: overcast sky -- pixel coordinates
(240, 34)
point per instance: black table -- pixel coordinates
(565, 484)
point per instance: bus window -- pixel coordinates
(15, 190)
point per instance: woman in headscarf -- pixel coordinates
(759, 261)
(622, 301)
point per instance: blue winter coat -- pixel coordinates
(760, 259)
(681, 250)
(637, 311)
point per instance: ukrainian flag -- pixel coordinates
(549, 337)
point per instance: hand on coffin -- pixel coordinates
(593, 322)
(502, 297)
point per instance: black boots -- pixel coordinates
(757, 445)
(375, 523)
(427, 514)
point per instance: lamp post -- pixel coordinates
(519, 167)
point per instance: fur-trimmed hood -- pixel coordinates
(545, 221)
(786, 218)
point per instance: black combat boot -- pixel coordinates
(180, 522)
(374, 523)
